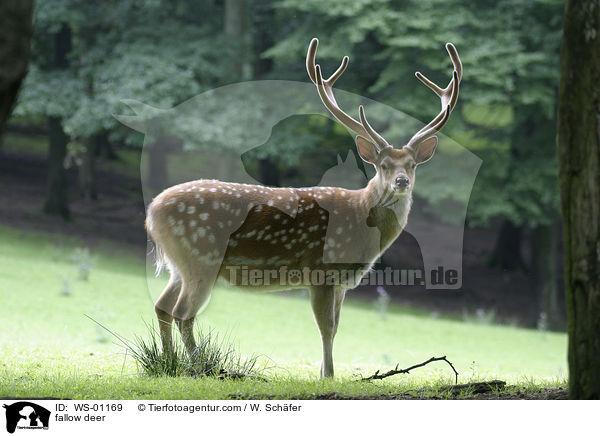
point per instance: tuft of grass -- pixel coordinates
(213, 357)
(84, 261)
(66, 289)
(216, 356)
(151, 359)
(480, 316)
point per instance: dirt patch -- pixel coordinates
(546, 394)
(117, 215)
(509, 393)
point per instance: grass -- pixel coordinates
(49, 347)
(213, 357)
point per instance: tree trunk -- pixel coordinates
(262, 23)
(56, 197)
(507, 251)
(544, 250)
(104, 148)
(234, 29)
(15, 39)
(579, 173)
(87, 170)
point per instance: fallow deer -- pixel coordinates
(205, 229)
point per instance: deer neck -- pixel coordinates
(389, 219)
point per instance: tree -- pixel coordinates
(579, 153)
(57, 194)
(235, 29)
(15, 39)
(160, 52)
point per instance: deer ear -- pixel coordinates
(426, 149)
(366, 150)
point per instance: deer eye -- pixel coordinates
(385, 166)
(413, 166)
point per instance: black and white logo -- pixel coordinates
(26, 415)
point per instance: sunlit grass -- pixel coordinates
(49, 347)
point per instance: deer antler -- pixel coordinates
(324, 88)
(448, 97)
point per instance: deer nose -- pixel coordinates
(402, 182)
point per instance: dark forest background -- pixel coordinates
(68, 166)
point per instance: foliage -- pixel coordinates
(155, 51)
(163, 53)
(510, 56)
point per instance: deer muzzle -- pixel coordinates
(402, 183)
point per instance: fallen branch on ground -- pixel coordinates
(378, 376)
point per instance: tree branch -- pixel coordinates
(378, 376)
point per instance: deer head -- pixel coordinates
(395, 167)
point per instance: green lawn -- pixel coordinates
(48, 346)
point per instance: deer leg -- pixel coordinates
(322, 300)
(164, 325)
(164, 307)
(186, 328)
(339, 299)
(192, 298)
